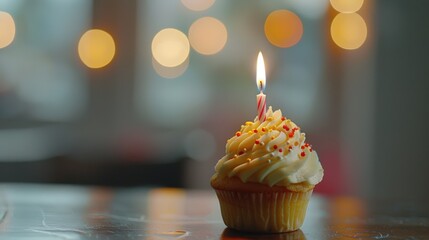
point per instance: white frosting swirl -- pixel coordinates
(272, 152)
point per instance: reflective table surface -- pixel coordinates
(70, 212)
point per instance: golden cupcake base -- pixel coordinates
(275, 211)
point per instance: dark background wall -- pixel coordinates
(401, 166)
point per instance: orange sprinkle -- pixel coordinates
(283, 118)
(263, 129)
(296, 143)
(255, 130)
(238, 134)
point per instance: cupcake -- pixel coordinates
(266, 178)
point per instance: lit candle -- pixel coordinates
(260, 82)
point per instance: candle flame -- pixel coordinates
(260, 73)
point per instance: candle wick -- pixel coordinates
(260, 85)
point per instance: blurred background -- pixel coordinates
(146, 93)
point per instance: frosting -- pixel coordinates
(271, 152)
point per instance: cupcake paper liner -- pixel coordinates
(269, 212)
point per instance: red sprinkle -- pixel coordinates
(238, 134)
(263, 129)
(311, 150)
(283, 118)
(275, 147)
(280, 150)
(302, 154)
(290, 147)
(257, 142)
(302, 147)
(255, 130)
(291, 134)
(286, 127)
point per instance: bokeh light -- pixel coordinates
(208, 35)
(7, 29)
(348, 30)
(283, 28)
(198, 5)
(96, 48)
(170, 72)
(170, 47)
(346, 6)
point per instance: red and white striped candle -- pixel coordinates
(260, 82)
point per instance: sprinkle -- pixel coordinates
(248, 160)
(262, 143)
(244, 149)
(296, 143)
(249, 123)
(263, 129)
(306, 144)
(280, 150)
(235, 155)
(302, 147)
(302, 154)
(241, 152)
(291, 134)
(272, 138)
(286, 127)
(255, 130)
(290, 147)
(311, 149)
(238, 134)
(269, 118)
(283, 118)
(275, 147)
(257, 141)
